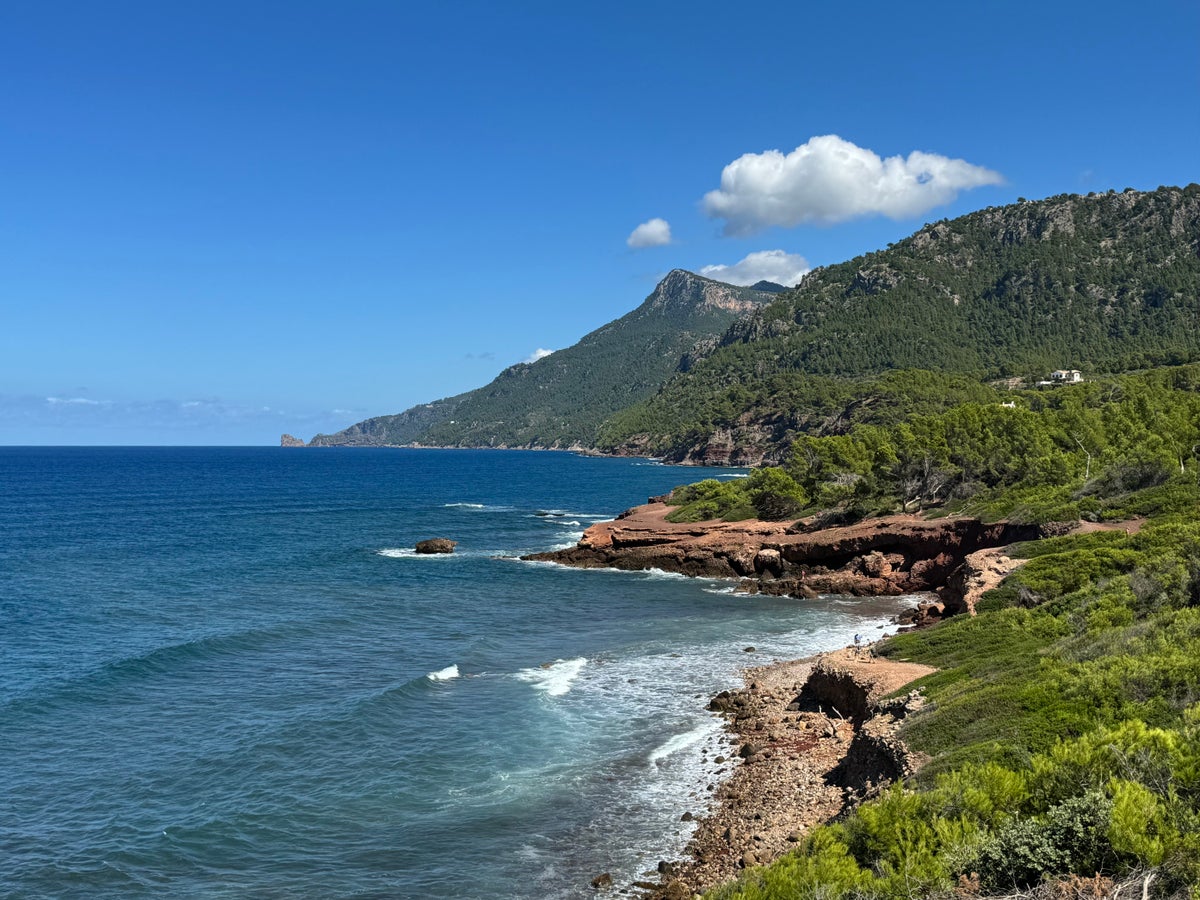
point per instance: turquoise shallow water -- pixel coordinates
(224, 674)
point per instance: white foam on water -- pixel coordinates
(664, 574)
(445, 674)
(572, 538)
(727, 589)
(682, 741)
(566, 514)
(554, 679)
(409, 553)
(662, 761)
(464, 506)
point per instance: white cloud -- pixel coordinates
(831, 180)
(539, 353)
(655, 233)
(76, 401)
(764, 265)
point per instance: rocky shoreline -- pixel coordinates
(811, 738)
(955, 557)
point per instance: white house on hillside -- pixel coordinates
(1066, 376)
(1062, 376)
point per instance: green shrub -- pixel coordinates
(775, 495)
(710, 499)
(1070, 838)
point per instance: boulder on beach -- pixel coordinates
(436, 545)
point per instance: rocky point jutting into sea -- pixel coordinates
(887, 556)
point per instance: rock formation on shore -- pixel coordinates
(810, 738)
(886, 556)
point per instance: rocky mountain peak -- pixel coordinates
(682, 290)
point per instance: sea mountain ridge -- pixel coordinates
(561, 400)
(707, 372)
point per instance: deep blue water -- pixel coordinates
(224, 674)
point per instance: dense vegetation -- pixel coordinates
(799, 404)
(1103, 283)
(1063, 723)
(1064, 726)
(560, 401)
(1098, 450)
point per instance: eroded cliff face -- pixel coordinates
(877, 557)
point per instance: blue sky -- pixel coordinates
(222, 221)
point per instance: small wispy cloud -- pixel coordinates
(655, 233)
(487, 355)
(70, 418)
(77, 401)
(539, 353)
(828, 180)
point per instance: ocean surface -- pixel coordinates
(224, 673)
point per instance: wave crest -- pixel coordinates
(681, 741)
(409, 553)
(554, 679)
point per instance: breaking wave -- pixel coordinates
(682, 741)
(554, 679)
(409, 553)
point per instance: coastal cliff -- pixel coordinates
(886, 556)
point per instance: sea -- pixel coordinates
(225, 673)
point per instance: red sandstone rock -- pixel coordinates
(876, 557)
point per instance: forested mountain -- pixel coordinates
(560, 400)
(1103, 283)
(708, 372)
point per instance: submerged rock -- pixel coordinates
(436, 545)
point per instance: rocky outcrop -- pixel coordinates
(436, 545)
(878, 755)
(792, 765)
(980, 572)
(286, 440)
(876, 557)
